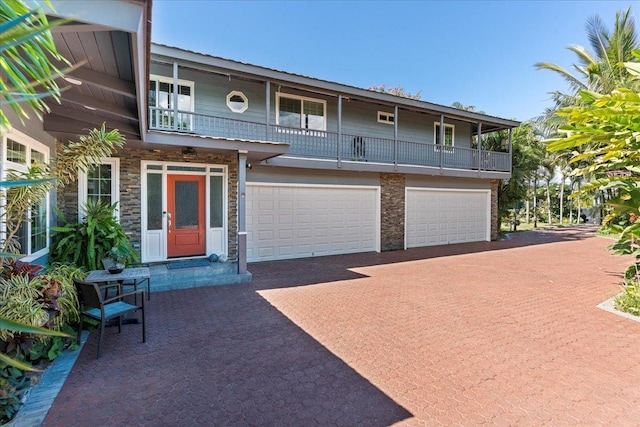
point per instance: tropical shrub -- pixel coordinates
(629, 299)
(21, 301)
(66, 303)
(13, 385)
(606, 129)
(45, 300)
(32, 298)
(86, 243)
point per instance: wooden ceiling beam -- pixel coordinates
(104, 81)
(76, 123)
(92, 104)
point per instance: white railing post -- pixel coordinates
(442, 144)
(175, 95)
(268, 108)
(395, 137)
(479, 147)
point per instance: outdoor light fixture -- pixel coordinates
(189, 152)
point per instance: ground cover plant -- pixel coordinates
(33, 297)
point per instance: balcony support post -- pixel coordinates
(175, 95)
(442, 144)
(479, 147)
(510, 165)
(267, 107)
(338, 144)
(395, 137)
(242, 203)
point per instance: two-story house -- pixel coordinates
(259, 164)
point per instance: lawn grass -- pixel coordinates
(508, 228)
(605, 232)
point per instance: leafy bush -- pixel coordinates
(633, 272)
(21, 301)
(67, 300)
(86, 243)
(13, 384)
(32, 297)
(629, 300)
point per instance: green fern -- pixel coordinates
(85, 244)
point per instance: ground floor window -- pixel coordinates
(19, 153)
(101, 183)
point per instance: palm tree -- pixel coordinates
(565, 170)
(28, 60)
(598, 70)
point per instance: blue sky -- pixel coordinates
(478, 53)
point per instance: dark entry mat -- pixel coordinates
(188, 264)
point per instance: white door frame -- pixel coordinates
(154, 242)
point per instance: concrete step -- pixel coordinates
(216, 273)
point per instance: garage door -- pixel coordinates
(288, 221)
(441, 217)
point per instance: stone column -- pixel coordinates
(392, 202)
(495, 227)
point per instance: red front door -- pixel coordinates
(185, 215)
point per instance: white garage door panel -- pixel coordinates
(295, 221)
(436, 217)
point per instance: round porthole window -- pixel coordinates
(237, 102)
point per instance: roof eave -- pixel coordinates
(256, 71)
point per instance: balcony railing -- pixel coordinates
(331, 145)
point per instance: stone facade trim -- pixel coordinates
(392, 211)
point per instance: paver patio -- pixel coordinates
(499, 333)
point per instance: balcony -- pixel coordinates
(314, 144)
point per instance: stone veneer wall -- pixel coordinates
(130, 192)
(495, 227)
(392, 188)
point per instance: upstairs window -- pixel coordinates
(386, 118)
(448, 134)
(299, 112)
(237, 102)
(162, 104)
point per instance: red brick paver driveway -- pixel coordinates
(501, 333)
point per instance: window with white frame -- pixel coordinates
(161, 103)
(237, 101)
(300, 112)
(22, 152)
(386, 118)
(448, 134)
(101, 183)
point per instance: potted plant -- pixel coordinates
(119, 255)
